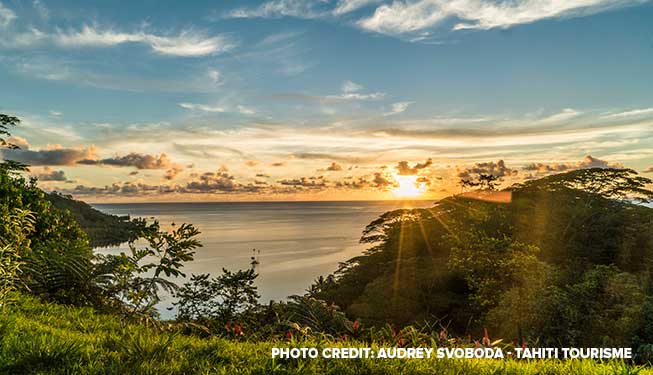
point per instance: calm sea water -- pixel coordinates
(298, 241)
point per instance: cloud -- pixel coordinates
(631, 113)
(349, 87)
(278, 164)
(18, 141)
(215, 76)
(382, 182)
(173, 172)
(202, 107)
(307, 182)
(6, 16)
(55, 113)
(334, 167)
(398, 108)
(133, 159)
(648, 170)
(187, 43)
(347, 6)
(564, 115)
(41, 9)
(53, 155)
(51, 175)
(404, 169)
(212, 182)
(280, 8)
(588, 162)
(402, 17)
(498, 169)
(217, 108)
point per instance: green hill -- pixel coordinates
(46, 338)
(103, 230)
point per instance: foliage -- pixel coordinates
(137, 279)
(12, 248)
(219, 300)
(53, 339)
(568, 260)
(102, 229)
(6, 122)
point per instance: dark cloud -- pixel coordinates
(278, 164)
(251, 163)
(213, 182)
(133, 159)
(404, 169)
(173, 172)
(382, 182)
(55, 155)
(51, 175)
(262, 175)
(208, 151)
(648, 170)
(351, 183)
(588, 162)
(340, 158)
(309, 182)
(334, 167)
(498, 169)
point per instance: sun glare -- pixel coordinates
(408, 187)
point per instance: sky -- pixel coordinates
(322, 99)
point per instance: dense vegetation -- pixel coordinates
(50, 338)
(103, 230)
(565, 260)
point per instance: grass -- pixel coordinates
(43, 338)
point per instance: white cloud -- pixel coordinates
(202, 107)
(349, 87)
(187, 43)
(351, 91)
(214, 76)
(398, 108)
(631, 113)
(280, 8)
(564, 115)
(6, 16)
(402, 16)
(41, 9)
(347, 6)
(244, 110)
(56, 113)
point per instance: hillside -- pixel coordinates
(54, 339)
(103, 230)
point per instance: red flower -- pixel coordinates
(486, 338)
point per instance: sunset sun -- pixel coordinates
(408, 187)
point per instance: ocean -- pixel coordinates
(295, 242)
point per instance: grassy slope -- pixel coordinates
(47, 338)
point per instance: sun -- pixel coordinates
(408, 187)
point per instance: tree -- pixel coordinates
(7, 121)
(136, 279)
(12, 250)
(219, 300)
(609, 183)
